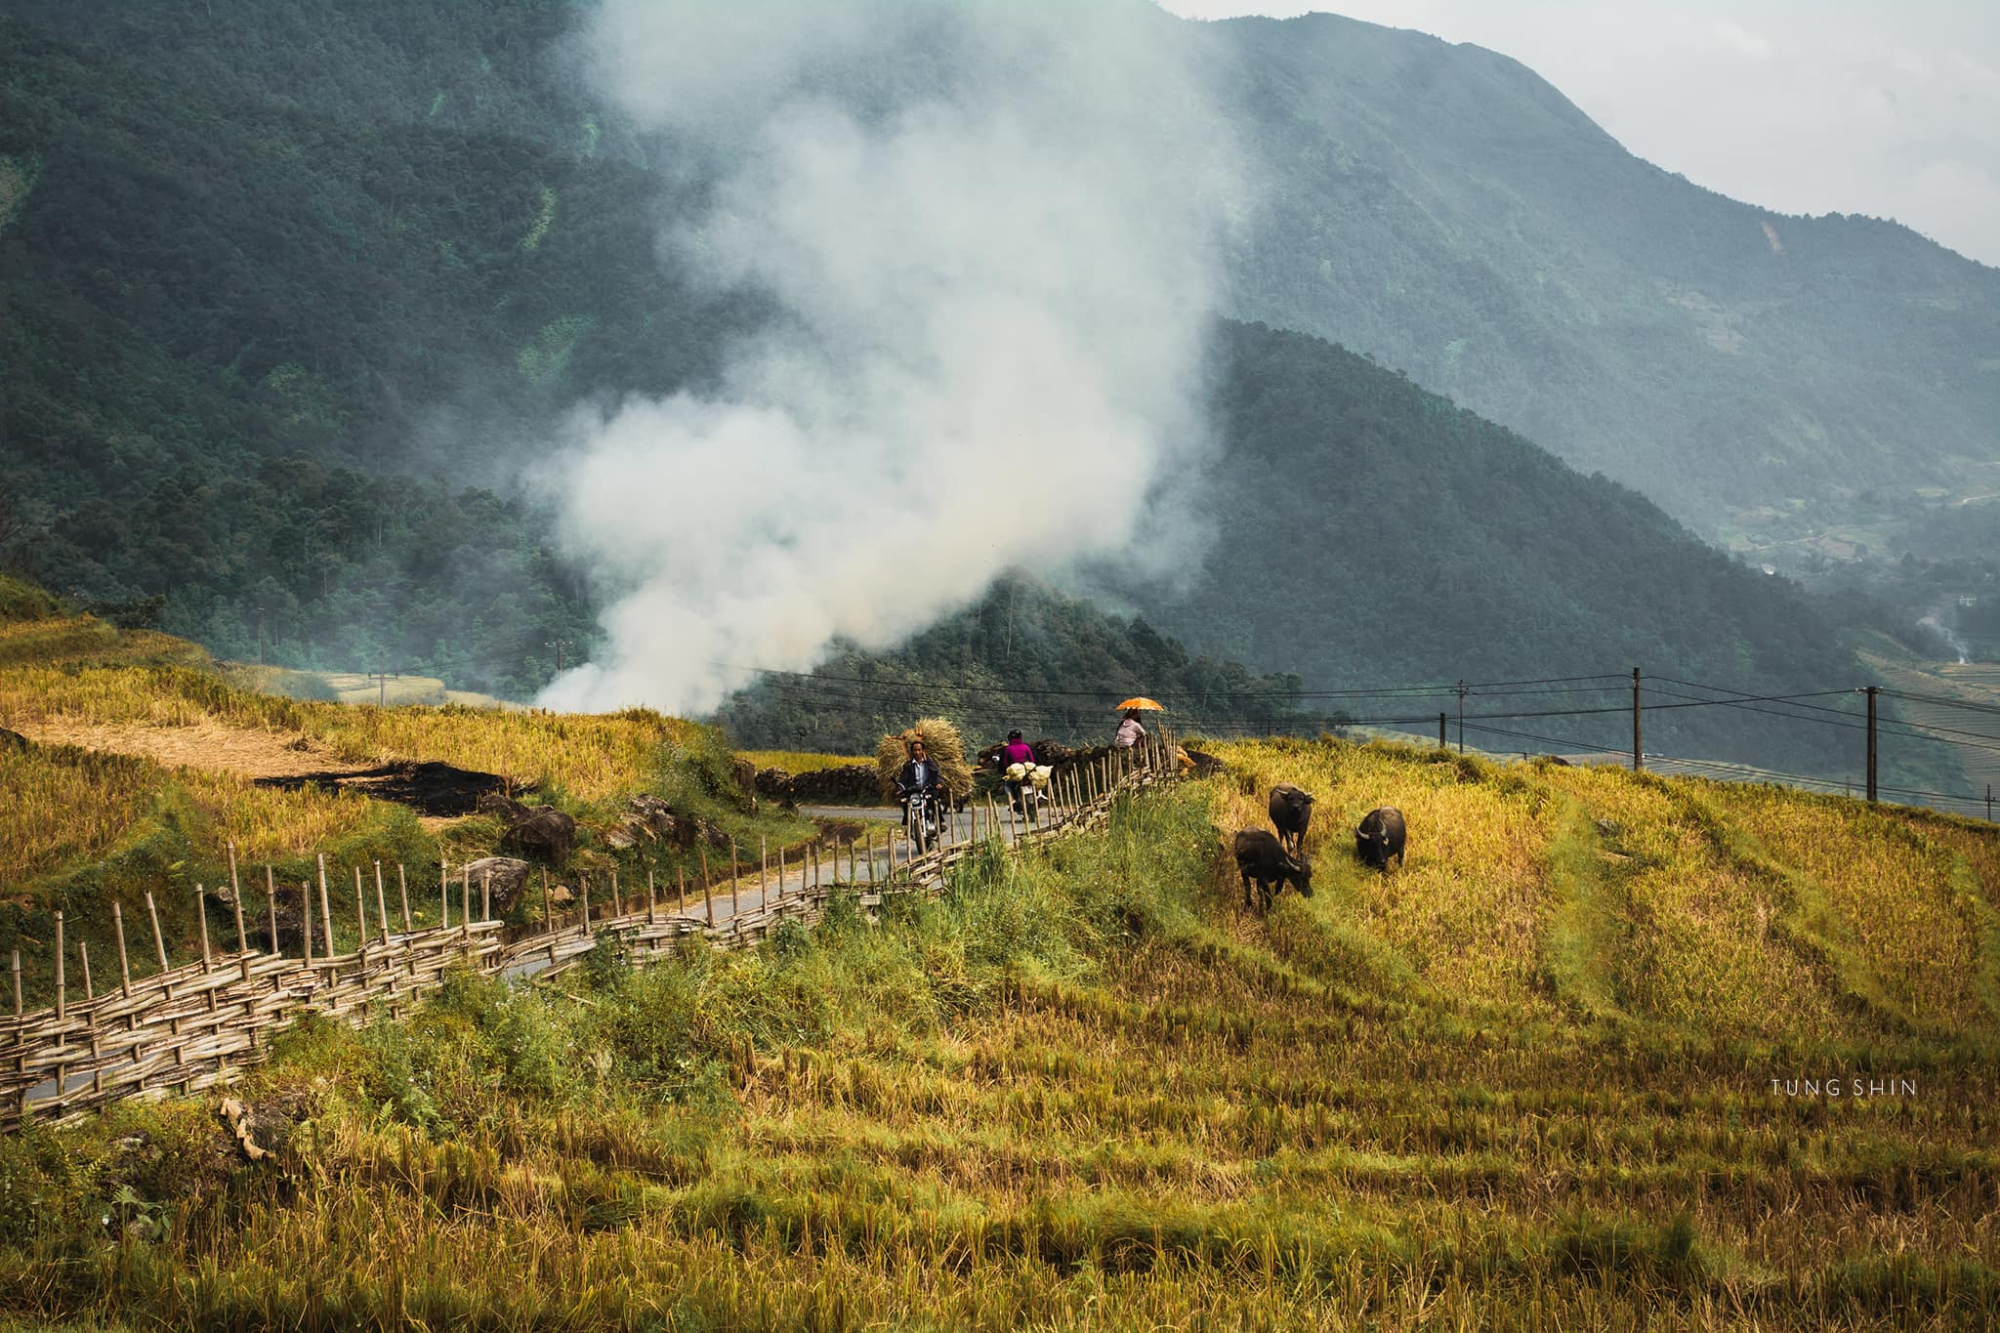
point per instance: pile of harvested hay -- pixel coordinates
(947, 751)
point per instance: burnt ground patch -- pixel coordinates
(430, 787)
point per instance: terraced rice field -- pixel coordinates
(1570, 1067)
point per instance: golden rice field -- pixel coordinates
(166, 790)
(1523, 1083)
(796, 762)
(592, 756)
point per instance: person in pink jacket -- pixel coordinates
(1015, 751)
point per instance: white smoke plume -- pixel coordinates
(995, 232)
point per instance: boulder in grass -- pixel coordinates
(14, 740)
(510, 878)
(539, 830)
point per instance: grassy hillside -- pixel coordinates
(140, 773)
(1525, 1082)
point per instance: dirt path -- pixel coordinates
(208, 745)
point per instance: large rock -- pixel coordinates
(13, 740)
(536, 830)
(510, 879)
(647, 818)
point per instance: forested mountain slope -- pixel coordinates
(236, 329)
(1440, 207)
(1369, 532)
(1448, 211)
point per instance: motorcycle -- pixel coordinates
(923, 818)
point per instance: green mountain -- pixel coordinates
(1367, 532)
(1026, 656)
(1442, 208)
(1445, 210)
(259, 354)
(231, 330)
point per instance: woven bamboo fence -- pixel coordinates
(199, 1025)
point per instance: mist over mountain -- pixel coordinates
(1766, 378)
(1447, 211)
(293, 302)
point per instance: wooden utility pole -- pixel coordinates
(1871, 743)
(1443, 744)
(1461, 717)
(1638, 755)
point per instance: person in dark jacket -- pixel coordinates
(919, 774)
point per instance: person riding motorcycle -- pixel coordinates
(1015, 755)
(920, 779)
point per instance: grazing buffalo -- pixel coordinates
(1262, 861)
(1291, 811)
(1381, 836)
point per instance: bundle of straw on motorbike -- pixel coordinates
(946, 750)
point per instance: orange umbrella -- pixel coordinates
(1141, 703)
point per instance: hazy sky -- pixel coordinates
(1885, 107)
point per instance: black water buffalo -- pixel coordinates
(1262, 861)
(1381, 836)
(1291, 811)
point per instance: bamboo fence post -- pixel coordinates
(201, 915)
(485, 895)
(584, 883)
(325, 910)
(271, 907)
(465, 900)
(62, 1068)
(444, 895)
(236, 893)
(89, 994)
(764, 871)
(1014, 817)
(781, 874)
(548, 907)
(681, 895)
(707, 901)
(381, 903)
(617, 899)
(159, 940)
(306, 899)
(17, 993)
(403, 888)
(890, 840)
(124, 966)
(853, 864)
(360, 914)
(652, 899)
(733, 873)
